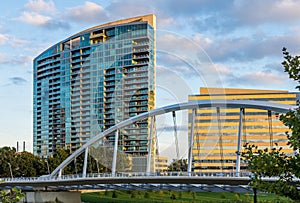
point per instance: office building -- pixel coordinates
(210, 153)
(92, 80)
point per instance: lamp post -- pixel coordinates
(11, 174)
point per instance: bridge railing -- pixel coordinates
(127, 175)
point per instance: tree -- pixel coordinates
(58, 157)
(28, 165)
(14, 196)
(20, 164)
(178, 165)
(273, 162)
(7, 161)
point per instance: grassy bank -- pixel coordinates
(174, 197)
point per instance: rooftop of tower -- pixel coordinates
(150, 18)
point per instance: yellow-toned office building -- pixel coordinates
(161, 163)
(260, 127)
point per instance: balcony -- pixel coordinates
(140, 50)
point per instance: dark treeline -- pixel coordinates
(25, 164)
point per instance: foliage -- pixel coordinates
(274, 162)
(25, 164)
(178, 165)
(20, 164)
(14, 196)
(28, 165)
(173, 196)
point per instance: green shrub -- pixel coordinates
(173, 196)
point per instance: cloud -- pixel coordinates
(216, 23)
(42, 20)
(34, 14)
(119, 9)
(224, 17)
(88, 13)
(257, 79)
(184, 45)
(34, 18)
(54, 24)
(192, 7)
(202, 15)
(258, 12)
(274, 68)
(2, 58)
(16, 42)
(201, 40)
(15, 60)
(3, 38)
(40, 6)
(18, 80)
(249, 48)
(222, 69)
(13, 41)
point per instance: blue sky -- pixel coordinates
(237, 43)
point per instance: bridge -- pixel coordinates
(125, 179)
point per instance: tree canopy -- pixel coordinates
(178, 165)
(274, 162)
(25, 164)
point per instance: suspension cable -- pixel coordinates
(270, 128)
(244, 127)
(75, 164)
(220, 138)
(175, 135)
(156, 138)
(197, 135)
(90, 159)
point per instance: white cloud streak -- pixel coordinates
(3, 38)
(89, 12)
(22, 60)
(41, 6)
(34, 18)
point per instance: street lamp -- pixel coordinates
(11, 174)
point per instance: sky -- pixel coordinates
(233, 43)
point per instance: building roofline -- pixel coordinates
(150, 18)
(231, 94)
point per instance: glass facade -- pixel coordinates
(89, 82)
(212, 154)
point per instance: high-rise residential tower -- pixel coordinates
(216, 133)
(92, 80)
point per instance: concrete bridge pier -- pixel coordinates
(52, 197)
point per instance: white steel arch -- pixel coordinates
(242, 104)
